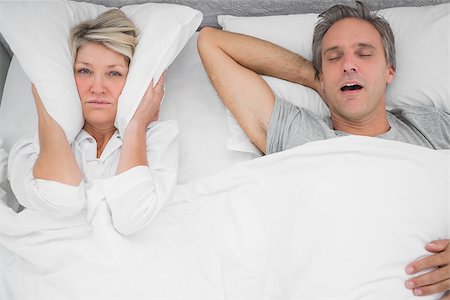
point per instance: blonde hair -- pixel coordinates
(113, 29)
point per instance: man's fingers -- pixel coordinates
(433, 289)
(437, 280)
(433, 277)
(437, 246)
(432, 261)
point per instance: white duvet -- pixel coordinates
(335, 219)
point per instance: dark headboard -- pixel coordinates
(212, 8)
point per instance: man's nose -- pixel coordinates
(349, 65)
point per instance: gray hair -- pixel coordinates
(113, 29)
(339, 12)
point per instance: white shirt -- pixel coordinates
(134, 196)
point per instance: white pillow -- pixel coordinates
(37, 32)
(17, 111)
(3, 169)
(422, 44)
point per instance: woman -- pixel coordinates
(135, 173)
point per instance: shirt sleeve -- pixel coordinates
(39, 194)
(291, 126)
(137, 195)
(432, 123)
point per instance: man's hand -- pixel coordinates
(438, 279)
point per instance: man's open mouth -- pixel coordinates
(351, 87)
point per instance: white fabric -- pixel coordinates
(6, 195)
(134, 197)
(17, 109)
(332, 219)
(38, 32)
(422, 46)
(3, 171)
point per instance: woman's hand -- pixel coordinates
(41, 111)
(134, 147)
(55, 161)
(148, 109)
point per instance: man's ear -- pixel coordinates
(322, 87)
(321, 80)
(390, 75)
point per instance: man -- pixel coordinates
(353, 62)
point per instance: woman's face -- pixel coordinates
(100, 75)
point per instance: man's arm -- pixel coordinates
(233, 62)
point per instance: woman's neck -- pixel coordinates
(101, 136)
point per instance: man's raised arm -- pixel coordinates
(233, 62)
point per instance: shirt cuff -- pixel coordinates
(132, 199)
(56, 197)
(122, 183)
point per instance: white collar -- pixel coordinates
(85, 140)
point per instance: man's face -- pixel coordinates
(354, 70)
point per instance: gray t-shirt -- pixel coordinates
(291, 126)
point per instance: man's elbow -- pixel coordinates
(205, 40)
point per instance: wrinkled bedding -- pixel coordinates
(332, 219)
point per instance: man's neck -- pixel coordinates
(374, 125)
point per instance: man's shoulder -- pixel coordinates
(287, 106)
(424, 119)
(410, 110)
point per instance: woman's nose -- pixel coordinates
(98, 86)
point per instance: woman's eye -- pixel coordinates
(84, 71)
(115, 74)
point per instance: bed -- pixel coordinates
(334, 219)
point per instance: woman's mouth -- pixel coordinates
(98, 102)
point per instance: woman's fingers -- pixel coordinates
(38, 101)
(162, 79)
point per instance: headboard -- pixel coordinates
(212, 8)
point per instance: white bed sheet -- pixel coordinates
(332, 219)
